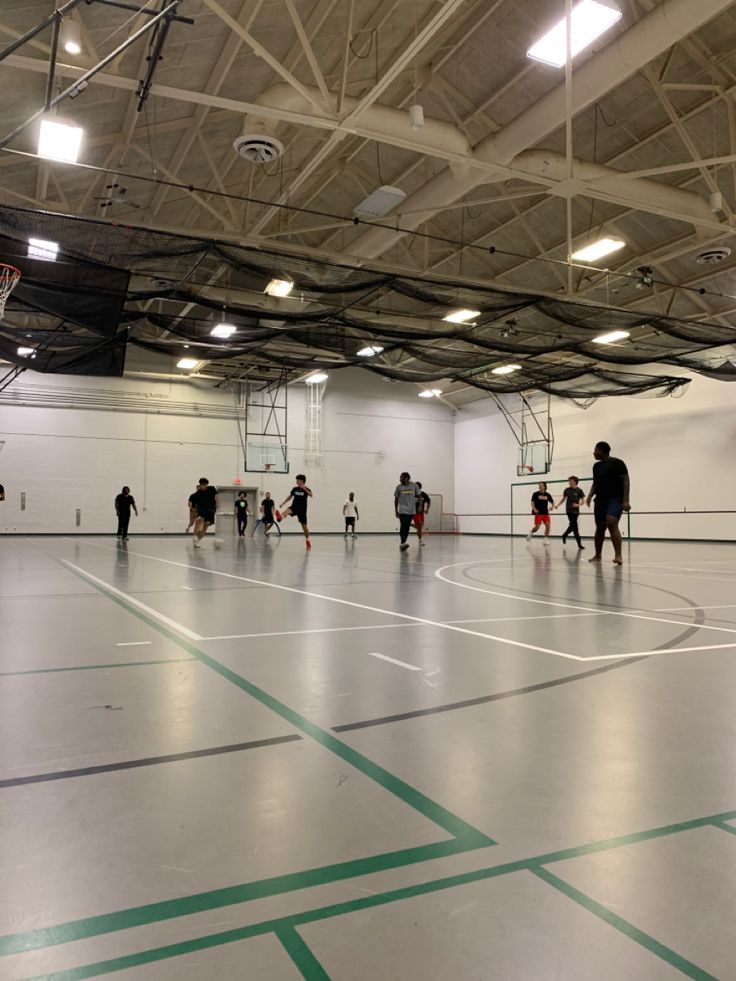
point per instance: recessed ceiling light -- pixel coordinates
(611, 337)
(223, 330)
(369, 352)
(461, 316)
(58, 141)
(316, 377)
(279, 287)
(590, 19)
(430, 393)
(71, 37)
(187, 363)
(38, 248)
(597, 250)
(26, 352)
(506, 369)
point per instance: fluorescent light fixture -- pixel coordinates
(506, 369)
(430, 393)
(316, 377)
(590, 19)
(38, 248)
(223, 330)
(279, 287)
(71, 37)
(58, 141)
(187, 363)
(369, 352)
(380, 203)
(611, 337)
(26, 352)
(461, 316)
(597, 250)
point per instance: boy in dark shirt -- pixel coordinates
(242, 512)
(572, 498)
(424, 503)
(299, 496)
(123, 503)
(206, 501)
(541, 501)
(611, 489)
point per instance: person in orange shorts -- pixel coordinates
(424, 503)
(541, 501)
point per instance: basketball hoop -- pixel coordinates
(9, 277)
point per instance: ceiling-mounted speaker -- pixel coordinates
(257, 143)
(711, 257)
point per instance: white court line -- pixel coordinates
(569, 606)
(191, 588)
(133, 643)
(134, 602)
(351, 603)
(674, 609)
(392, 660)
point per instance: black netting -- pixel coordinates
(337, 308)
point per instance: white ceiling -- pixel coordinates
(464, 62)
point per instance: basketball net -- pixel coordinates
(9, 277)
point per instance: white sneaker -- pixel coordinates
(403, 548)
(529, 537)
(195, 543)
(547, 542)
(422, 542)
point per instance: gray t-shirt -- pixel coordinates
(573, 495)
(407, 495)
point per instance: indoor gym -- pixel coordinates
(347, 240)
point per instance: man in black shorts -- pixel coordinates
(206, 501)
(572, 498)
(241, 513)
(299, 496)
(123, 503)
(611, 489)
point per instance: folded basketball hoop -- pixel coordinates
(9, 277)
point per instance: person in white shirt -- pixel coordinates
(350, 513)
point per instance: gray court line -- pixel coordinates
(482, 699)
(194, 754)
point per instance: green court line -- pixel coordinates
(79, 929)
(623, 926)
(299, 952)
(380, 899)
(725, 827)
(435, 812)
(97, 667)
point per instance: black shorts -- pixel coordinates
(301, 516)
(607, 509)
(208, 516)
(349, 522)
(268, 518)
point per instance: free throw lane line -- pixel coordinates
(133, 643)
(392, 660)
(161, 617)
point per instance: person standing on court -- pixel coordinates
(541, 500)
(424, 503)
(351, 515)
(242, 512)
(123, 504)
(406, 497)
(572, 497)
(206, 501)
(611, 489)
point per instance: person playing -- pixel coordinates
(611, 489)
(206, 501)
(2, 493)
(123, 503)
(298, 497)
(192, 511)
(541, 501)
(572, 497)
(242, 512)
(424, 503)
(351, 515)
(406, 497)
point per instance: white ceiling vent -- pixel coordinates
(378, 204)
(711, 257)
(260, 148)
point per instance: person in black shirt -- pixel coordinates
(242, 512)
(123, 503)
(2, 493)
(611, 489)
(572, 497)
(299, 496)
(424, 503)
(267, 518)
(191, 504)
(206, 501)
(541, 501)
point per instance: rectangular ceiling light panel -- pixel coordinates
(378, 204)
(590, 19)
(598, 250)
(57, 141)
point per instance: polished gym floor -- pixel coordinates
(477, 760)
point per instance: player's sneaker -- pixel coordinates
(403, 548)
(308, 543)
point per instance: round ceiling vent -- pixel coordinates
(711, 257)
(260, 148)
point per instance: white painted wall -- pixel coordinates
(681, 453)
(66, 457)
